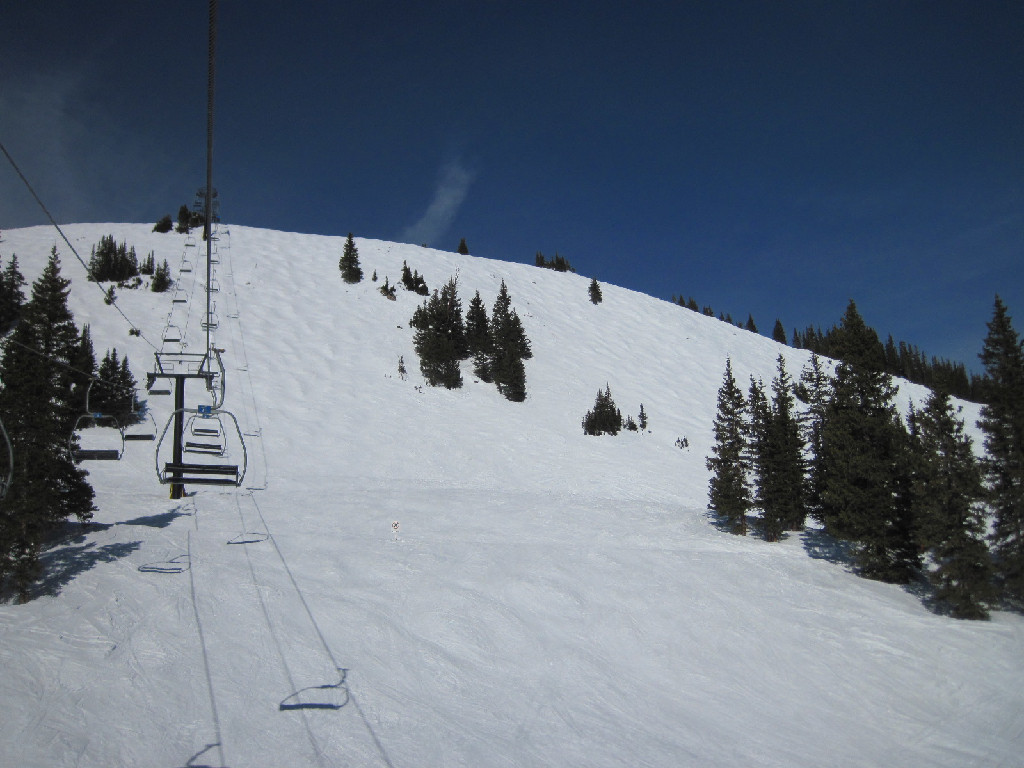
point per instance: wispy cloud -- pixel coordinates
(453, 185)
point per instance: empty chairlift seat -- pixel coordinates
(206, 431)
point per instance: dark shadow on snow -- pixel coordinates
(161, 520)
(191, 762)
(821, 546)
(71, 554)
(330, 696)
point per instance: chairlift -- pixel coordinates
(156, 385)
(96, 436)
(204, 433)
(197, 471)
(7, 464)
(144, 427)
(172, 334)
(186, 265)
(213, 366)
(180, 297)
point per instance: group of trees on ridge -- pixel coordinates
(900, 358)
(443, 339)
(909, 496)
(115, 262)
(497, 344)
(606, 419)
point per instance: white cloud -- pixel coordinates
(453, 185)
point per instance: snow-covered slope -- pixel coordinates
(548, 599)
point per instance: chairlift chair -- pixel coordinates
(197, 471)
(106, 444)
(180, 297)
(186, 265)
(205, 435)
(144, 428)
(172, 334)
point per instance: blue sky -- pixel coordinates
(771, 158)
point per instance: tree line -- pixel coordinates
(899, 358)
(907, 495)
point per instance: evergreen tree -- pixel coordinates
(349, 262)
(751, 325)
(728, 492)
(947, 490)
(478, 338)
(387, 290)
(863, 465)
(184, 220)
(12, 294)
(161, 278)
(510, 348)
(779, 332)
(463, 248)
(166, 224)
(642, 418)
(1002, 420)
(413, 281)
(595, 291)
(784, 493)
(605, 418)
(36, 407)
(814, 390)
(440, 337)
(83, 363)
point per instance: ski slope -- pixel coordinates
(548, 598)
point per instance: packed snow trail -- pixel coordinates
(549, 599)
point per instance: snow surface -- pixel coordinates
(549, 599)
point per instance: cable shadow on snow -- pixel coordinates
(191, 762)
(332, 696)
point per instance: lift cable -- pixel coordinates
(135, 329)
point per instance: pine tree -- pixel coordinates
(166, 224)
(161, 278)
(756, 458)
(349, 262)
(36, 407)
(728, 493)
(863, 467)
(12, 294)
(751, 325)
(784, 492)
(83, 364)
(815, 391)
(463, 248)
(605, 418)
(642, 418)
(440, 337)
(184, 220)
(947, 491)
(478, 338)
(1002, 421)
(595, 291)
(779, 332)
(510, 348)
